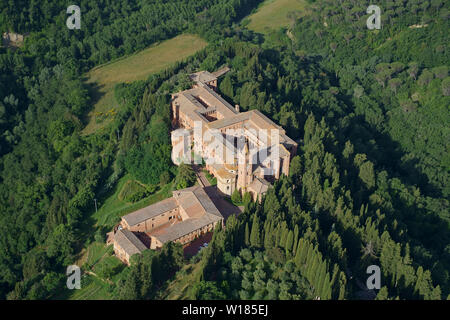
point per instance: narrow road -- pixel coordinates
(201, 177)
(225, 207)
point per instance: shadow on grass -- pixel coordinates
(96, 92)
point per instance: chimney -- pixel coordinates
(236, 107)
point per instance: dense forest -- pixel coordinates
(49, 172)
(369, 184)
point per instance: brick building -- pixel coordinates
(243, 150)
(188, 214)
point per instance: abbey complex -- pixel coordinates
(244, 151)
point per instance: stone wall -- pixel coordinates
(155, 222)
(121, 254)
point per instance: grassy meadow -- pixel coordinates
(112, 207)
(273, 14)
(132, 68)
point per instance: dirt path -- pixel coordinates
(201, 177)
(225, 207)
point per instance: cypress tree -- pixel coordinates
(283, 238)
(130, 290)
(289, 241)
(436, 293)
(254, 235)
(247, 235)
(268, 235)
(383, 294)
(298, 252)
(419, 274)
(325, 289)
(294, 247)
(320, 279)
(277, 235)
(306, 252)
(226, 87)
(312, 264)
(342, 284)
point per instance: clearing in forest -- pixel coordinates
(132, 68)
(273, 14)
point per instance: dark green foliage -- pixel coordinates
(111, 29)
(349, 201)
(134, 191)
(207, 290)
(108, 267)
(226, 87)
(255, 237)
(186, 177)
(50, 173)
(148, 271)
(369, 185)
(247, 198)
(236, 196)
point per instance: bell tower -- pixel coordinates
(242, 167)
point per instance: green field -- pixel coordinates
(179, 288)
(131, 188)
(273, 14)
(93, 287)
(97, 256)
(96, 252)
(112, 208)
(135, 67)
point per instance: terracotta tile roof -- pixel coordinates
(150, 212)
(192, 102)
(185, 227)
(219, 102)
(129, 242)
(222, 170)
(263, 122)
(259, 186)
(221, 72)
(200, 209)
(202, 76)
(193, 196)
(206, 202)
(229, 121)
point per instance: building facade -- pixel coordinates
(188, 214)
